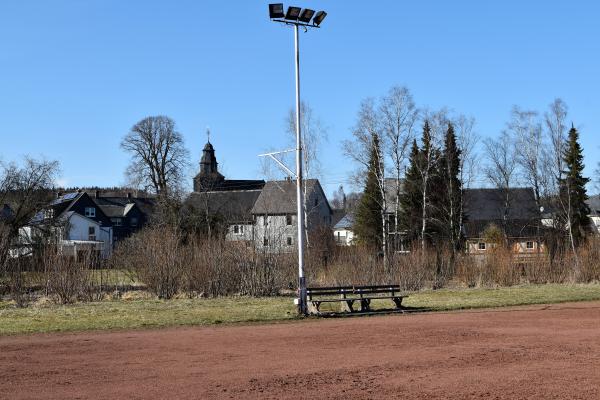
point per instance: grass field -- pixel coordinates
(137, 314)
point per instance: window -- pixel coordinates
(90, 212)
(116, 221)
(265, 242)
(481, 246)
(289, 241)
(529, 245)
(236, 229)
(92, 233)
(241, 228)
(288, 219)
(133, 221)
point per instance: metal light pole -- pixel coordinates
(297, 17)
(302, 306)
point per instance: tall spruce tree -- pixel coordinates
(368, 222)
(410, 197)
(451, 189)
(572, 190)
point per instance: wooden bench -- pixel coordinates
(348, 295)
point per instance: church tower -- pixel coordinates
(209, 177)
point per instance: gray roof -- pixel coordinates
(488, 204)
(233, 205)
(594, 204)
(391, 185)
(484, 207)
(119, 206)
(279, 197)
(345, 223)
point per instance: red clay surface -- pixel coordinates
(538, 352)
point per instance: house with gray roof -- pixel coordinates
(275, 212)
(594, 204)
(513, 212)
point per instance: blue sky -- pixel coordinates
(76, 75)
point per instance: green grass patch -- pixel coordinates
(137, 314)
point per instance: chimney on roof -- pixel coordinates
(97, 194)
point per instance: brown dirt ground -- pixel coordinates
(538, 352)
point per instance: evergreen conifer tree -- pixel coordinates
(450, 189)
(572, 190)
(368, 223)
(410, 197)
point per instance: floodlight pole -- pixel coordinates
(302, 306)
(302, 21)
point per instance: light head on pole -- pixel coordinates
(293, 13)
(306, 15)
(319, 17)
(276, 10)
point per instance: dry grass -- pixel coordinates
(151, 313)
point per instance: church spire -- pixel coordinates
(209, 175)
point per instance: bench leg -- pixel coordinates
(348, 306)
(313, 307)
(365, 305)
(398, 302)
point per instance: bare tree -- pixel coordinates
(367, 129)
(501, 168)
(398, 115)
(556, 131)
(313, 134)
(527, 133)
(159, 157)
(24, 191)
(467, 140)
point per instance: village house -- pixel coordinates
(82, 223)
(511, 212)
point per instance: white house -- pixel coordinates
(343, 232)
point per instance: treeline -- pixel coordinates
(534, 150)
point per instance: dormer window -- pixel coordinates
(90, 212)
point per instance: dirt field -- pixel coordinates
(538, 352)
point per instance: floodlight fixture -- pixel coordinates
(276, 10)
(306, 15)
(319, 18)
(293, 13)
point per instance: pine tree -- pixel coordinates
(572, 190)
(450, 189)
(368, 222)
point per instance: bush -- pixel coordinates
(155, 255)
(67, 279)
